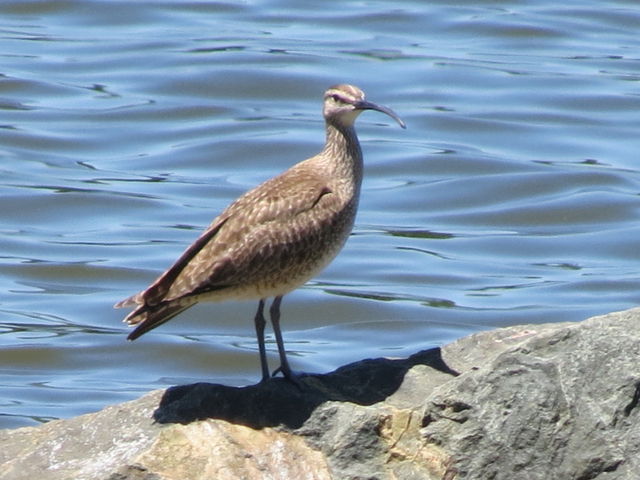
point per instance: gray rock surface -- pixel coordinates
(551, 401)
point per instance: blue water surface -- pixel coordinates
(125, 127)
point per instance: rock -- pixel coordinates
(551, 401)
(555, 402)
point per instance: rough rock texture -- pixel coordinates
(552, 401)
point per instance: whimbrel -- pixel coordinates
(273, 238)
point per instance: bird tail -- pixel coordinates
(148, 317)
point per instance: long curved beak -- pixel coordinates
(366, 105)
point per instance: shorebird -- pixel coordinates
(272, 239)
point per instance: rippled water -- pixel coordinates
(125, 127)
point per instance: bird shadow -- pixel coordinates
(279, 402)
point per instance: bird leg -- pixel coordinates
(260, 323)
(274, 311)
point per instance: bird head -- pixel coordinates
(343, 103)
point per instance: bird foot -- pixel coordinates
(289, 375)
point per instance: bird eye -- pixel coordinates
(336, 98)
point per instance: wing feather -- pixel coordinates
(257, 223)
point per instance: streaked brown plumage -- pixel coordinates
(273, 238)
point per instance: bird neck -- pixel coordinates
(342, 149)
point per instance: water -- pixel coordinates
(512, 197)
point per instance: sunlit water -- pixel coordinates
(125, 127)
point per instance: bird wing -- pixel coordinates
(254, 225)
(257, 228)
